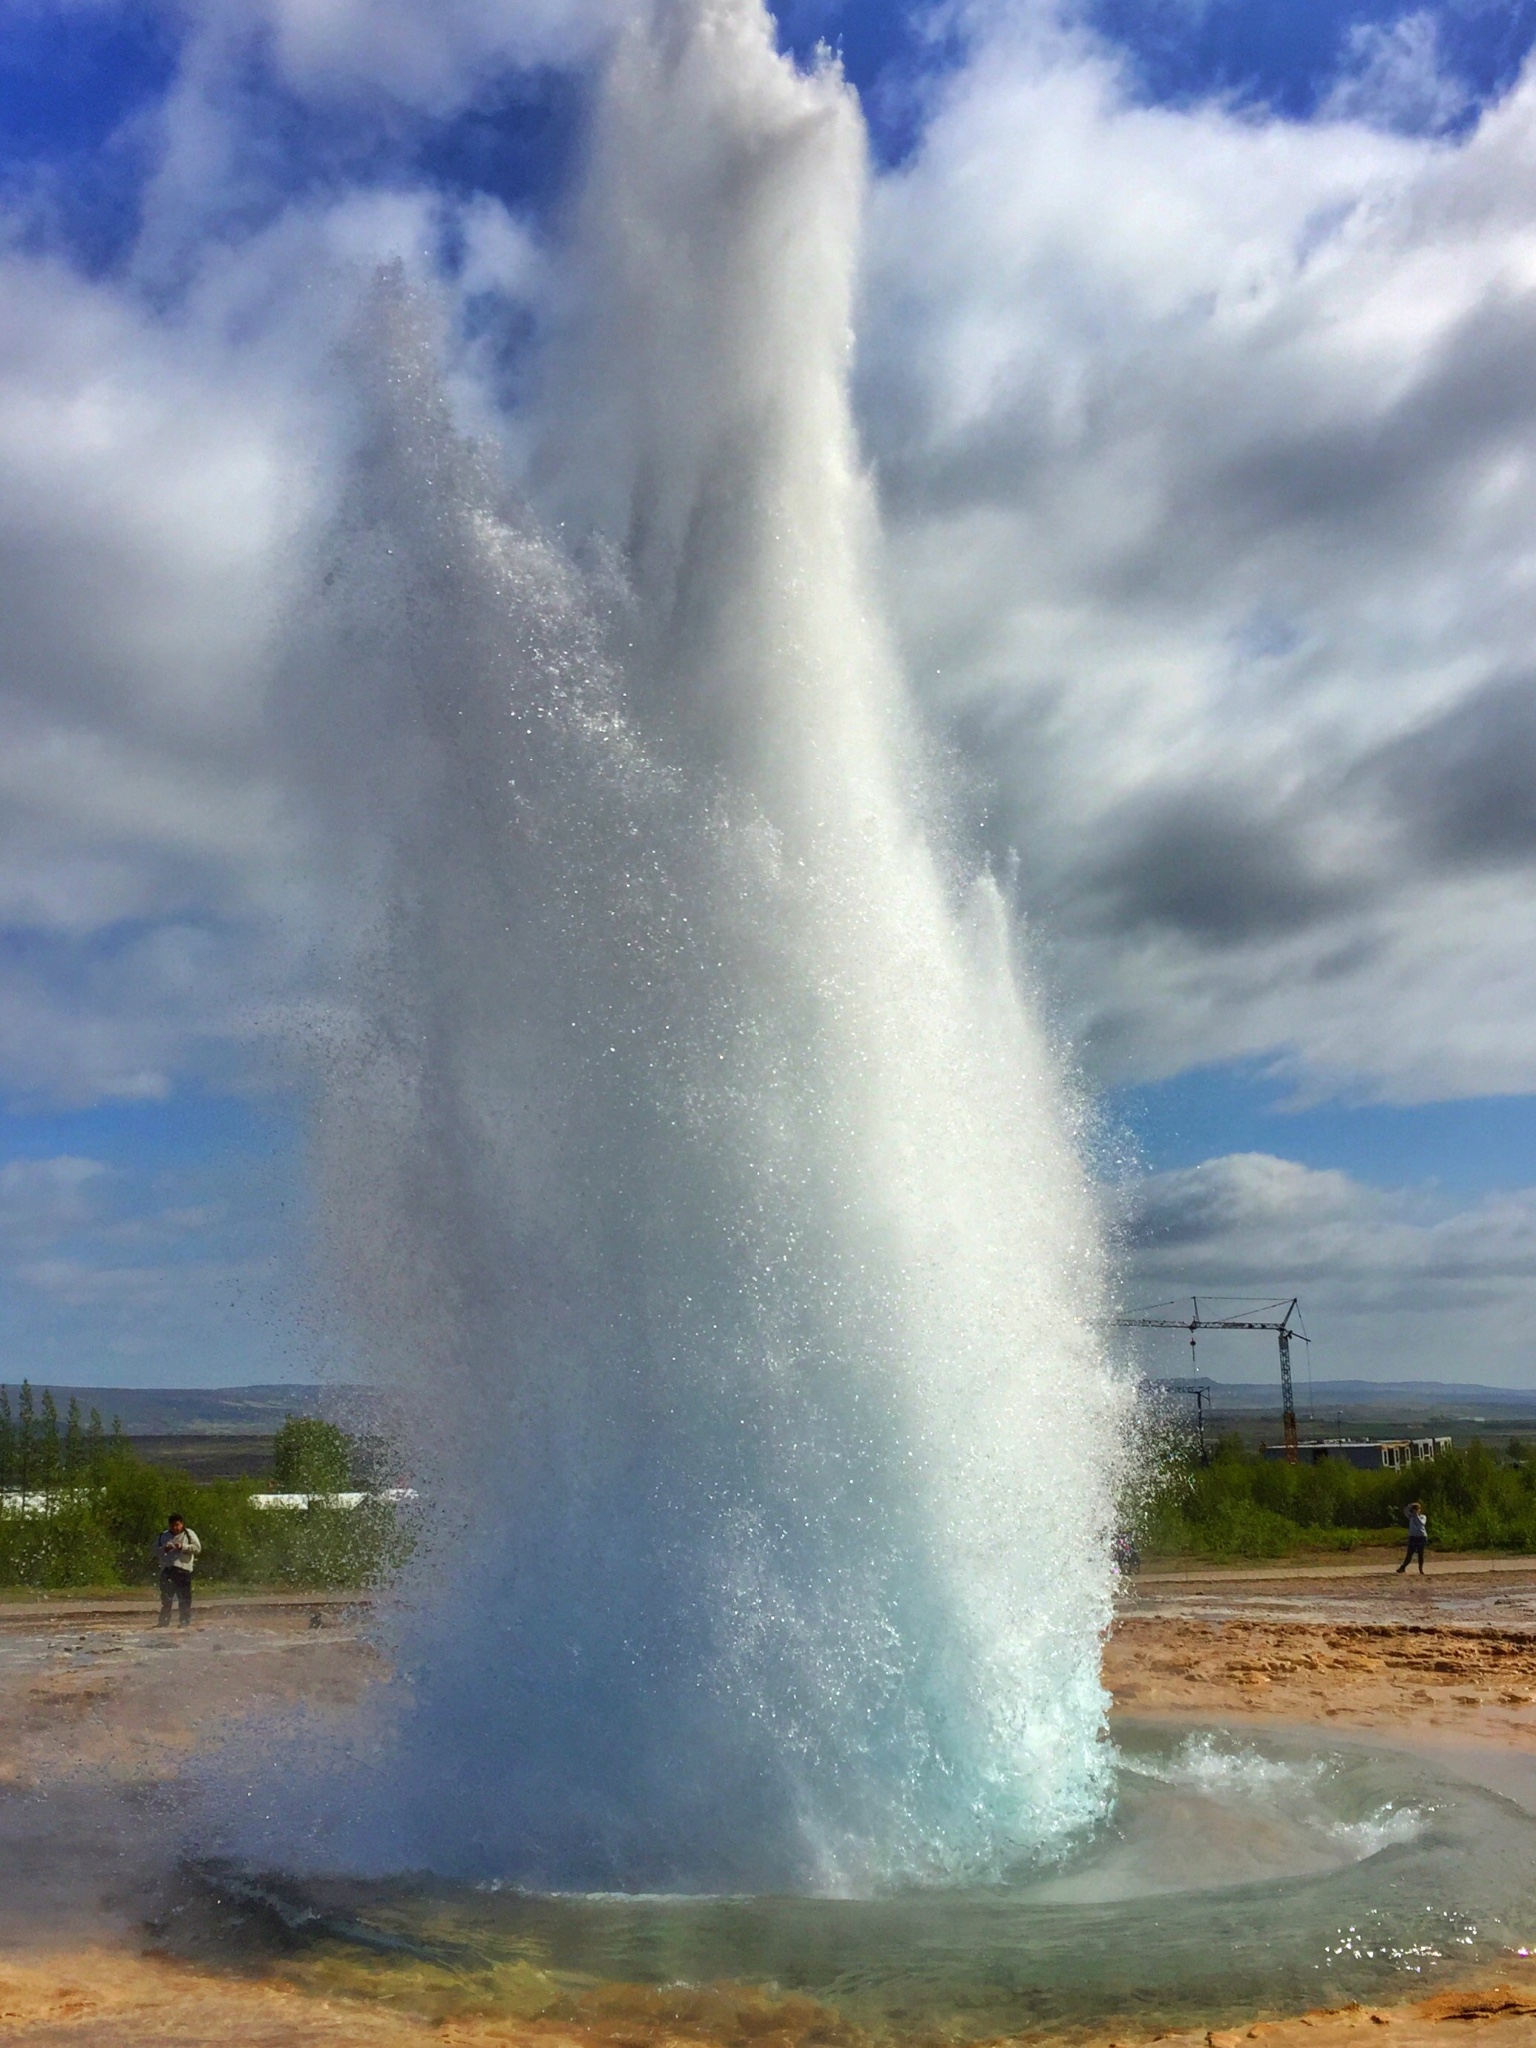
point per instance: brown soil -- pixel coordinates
(1382, 1675)
(1451, 1655)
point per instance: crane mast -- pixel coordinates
(1285, 1328)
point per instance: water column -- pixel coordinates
(692, 1159)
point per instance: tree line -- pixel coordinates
(79, 1508)
(38, 1453)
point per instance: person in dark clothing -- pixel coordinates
(176, 1552)
(1418, 1537)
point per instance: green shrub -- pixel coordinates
(1242, 1505)
(100, 1529)
(67, 1547)
(310, 1456)
(323, 1546)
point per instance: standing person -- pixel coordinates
(1418, 1536)
(177, 1550)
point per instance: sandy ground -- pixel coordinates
(96, 1731)
(1449, 1656)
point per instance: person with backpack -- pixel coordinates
(177, 1550)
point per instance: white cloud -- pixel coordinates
(1394, 77)
(79, 1283)
(1394, 1283)
(433, 58)
(162, 475)
(42, 1198)
(175, 1272)
(1206, 443)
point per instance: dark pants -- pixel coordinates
(1415, 1550)
(175, 1584)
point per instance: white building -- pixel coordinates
(1370, 1454)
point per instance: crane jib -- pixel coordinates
(1284, 1329)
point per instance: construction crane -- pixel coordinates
(1260, 1318)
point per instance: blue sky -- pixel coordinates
(1287, 57)
(1201, 442)
(77, 83)
(153, 1237)
(1471, 1146)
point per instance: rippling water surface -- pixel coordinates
(1234, 1874)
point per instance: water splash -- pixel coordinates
(689, 1147)
(1304, 1789)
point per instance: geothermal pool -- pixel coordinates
(1232, 1875)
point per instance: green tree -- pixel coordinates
(48, 1453)
(95, 1444)
(74, 1441)
(311, 1456)
(7, 1439)
(25, 1433)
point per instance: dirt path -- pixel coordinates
(1315, 1570)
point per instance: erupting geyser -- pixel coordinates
(689, 1148)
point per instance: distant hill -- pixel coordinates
(1370, 1408)
(259, 1411)
(194, 1411)
(1428, 1397)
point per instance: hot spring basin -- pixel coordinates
(1236, 1873)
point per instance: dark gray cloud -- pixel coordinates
(1463, 786)
(1193, 861)
(1388, 472)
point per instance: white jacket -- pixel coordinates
(179, 1553)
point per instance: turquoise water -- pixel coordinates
(1236, 1874)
